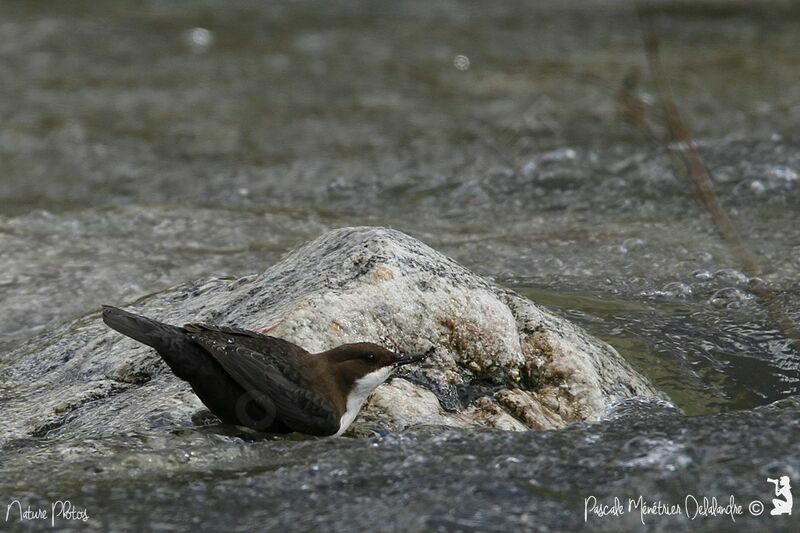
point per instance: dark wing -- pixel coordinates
(262, 366)
(269, 346)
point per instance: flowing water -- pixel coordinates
(145, 144)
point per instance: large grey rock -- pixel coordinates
(500, 360)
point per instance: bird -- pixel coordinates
(266, 383)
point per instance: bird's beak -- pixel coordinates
(408, 358)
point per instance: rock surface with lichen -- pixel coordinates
(500, 360)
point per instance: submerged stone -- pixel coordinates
(500, 360)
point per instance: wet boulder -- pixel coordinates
(500, 360)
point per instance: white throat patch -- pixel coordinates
(361, 391)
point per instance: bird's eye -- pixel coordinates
(370, 357)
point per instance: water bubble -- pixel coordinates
(729, 298)
(131, 288)
(702, 275)
(676, 289)
(553, 262)
(199, 39)
(631, 244)
(757, 187)
(731, 275)
(461, 62)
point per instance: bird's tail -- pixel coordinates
(150, 332)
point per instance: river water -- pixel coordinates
(145, 144)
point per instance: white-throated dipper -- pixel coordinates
(262, 382)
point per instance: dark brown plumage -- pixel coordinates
(263, 382)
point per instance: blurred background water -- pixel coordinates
(144, 144)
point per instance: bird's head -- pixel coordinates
(365, 365)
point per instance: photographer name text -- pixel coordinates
(693, 508)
